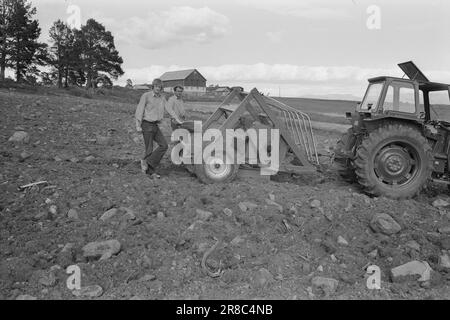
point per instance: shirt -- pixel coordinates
(151, 108)
(177, 107)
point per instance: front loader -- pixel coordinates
(244, 111)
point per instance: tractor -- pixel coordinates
(398, 140)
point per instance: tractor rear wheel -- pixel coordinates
(394, 161)
(342, 163)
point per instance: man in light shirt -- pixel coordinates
(149, 113)
(176, 105)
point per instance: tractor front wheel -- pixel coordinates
(216, 170)
(394, 161)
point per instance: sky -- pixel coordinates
(319, 48)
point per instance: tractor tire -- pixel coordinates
(344, 165)
(394, 161)
(216, 172)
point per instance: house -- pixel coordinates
(192, 81)
(222, 91)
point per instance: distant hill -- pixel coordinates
(344, 97)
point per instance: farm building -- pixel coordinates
(223, 91)
(192, 81)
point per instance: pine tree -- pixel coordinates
(6, 7)
(64, 58)
(99, 55)
(25, 51)
(19, 47)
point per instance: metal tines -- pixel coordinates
(299, 125)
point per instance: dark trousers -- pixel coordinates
(151, 133)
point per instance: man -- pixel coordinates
(176, 105)
(149, 113)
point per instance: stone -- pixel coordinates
(272, 197)
(444, 261)
(320, 268)
(342, 241)
(148, 277)
(103, 250)
(109, 214)
(262, 278)
(329, 247)
(203, 215)
(53, 210)
(273, 203)
(20, 137)
(73, 214)
(385, 224)
(103, 141)
(440, 203)
(413, 245)
(228, 212)
(237, 241)
(64, 156)
(247, 206)
(47, 279)
(445, 243)
(293, 210)
(160, 216)
(373, 254)
(283, 264)
(26, 297)
(419, 269)
(327, 285)
(25, 155)
(316, 204)
(129, 213)
(94, 291)
(42, 215)
(67, 256)
(89, 159)
(445, 230)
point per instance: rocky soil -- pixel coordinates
(307, 237)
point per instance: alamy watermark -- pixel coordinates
(253, 146)
(374, 279)
(374, 19)
(74, 19)
(74, 280)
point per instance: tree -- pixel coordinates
(63, 55)
(23, 51)
(99, 56)
(6, 7)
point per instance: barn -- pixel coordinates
(192, 81)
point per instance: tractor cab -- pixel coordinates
(391, 96)
(415, 99)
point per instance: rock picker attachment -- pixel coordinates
(297, 146)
